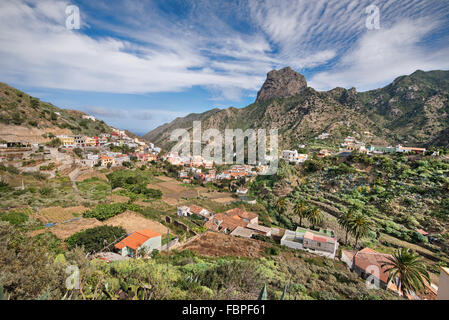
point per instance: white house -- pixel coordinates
(141, 241)
(321, 242)
(289, 155)
(89, 117)
(323, 136)
(242, 191)
(301, 158)
(183, 211)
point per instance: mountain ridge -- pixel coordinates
(403, 111)
(26, 118)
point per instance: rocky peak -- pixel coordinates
(281, 83)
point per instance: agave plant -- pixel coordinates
(3, 294)
(263, 293)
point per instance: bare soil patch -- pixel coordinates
(219, 244)
(131, 222)
(220, 197)
(59, 214)
(117, 198)
(91, 174)
(63, 231)
(172, 190)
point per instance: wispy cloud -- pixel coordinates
(383, 55)
(225, 47)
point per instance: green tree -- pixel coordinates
(315, 216)
(281, 205)
(301, 210)
(345, 220)
(409, 269)
(95, 239)
(360, 226)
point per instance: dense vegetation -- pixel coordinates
(40, 273)
(106, 211)
(134, 182)
(380, 200)
(96, 239)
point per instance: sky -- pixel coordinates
(139, 64)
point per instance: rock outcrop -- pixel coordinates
(281, 83)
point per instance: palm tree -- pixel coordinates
(315, 216)
(301, 210)
(359, 226)
(409, 269)
(281, 205)
(345, 221)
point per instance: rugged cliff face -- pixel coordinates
(282, 83)
(413, 109)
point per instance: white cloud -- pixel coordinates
(36, 49)
(203, 48)
(381, 55)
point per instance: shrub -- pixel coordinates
(418, 237)
(313, 166)
(78, 152)
(55, 142)
(46, 191)
(34, 102)
(272, 251)
(17, 119)
(5, 187)
(106, 211)
(14, 217)
(95, 239)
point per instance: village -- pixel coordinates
(97, 152)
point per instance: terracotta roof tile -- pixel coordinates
(242, 213)
(136, 239)
(369, 257)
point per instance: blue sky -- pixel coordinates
(138, 64)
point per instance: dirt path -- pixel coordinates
(73, 175)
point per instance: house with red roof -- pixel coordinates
(142, 240)
(200, 212)
(222, 222)
(245, 216)
(369, 264)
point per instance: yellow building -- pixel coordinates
(106, 160)
(90, 142)
(443, 288)
(67, 141)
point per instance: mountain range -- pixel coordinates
(413, 109)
